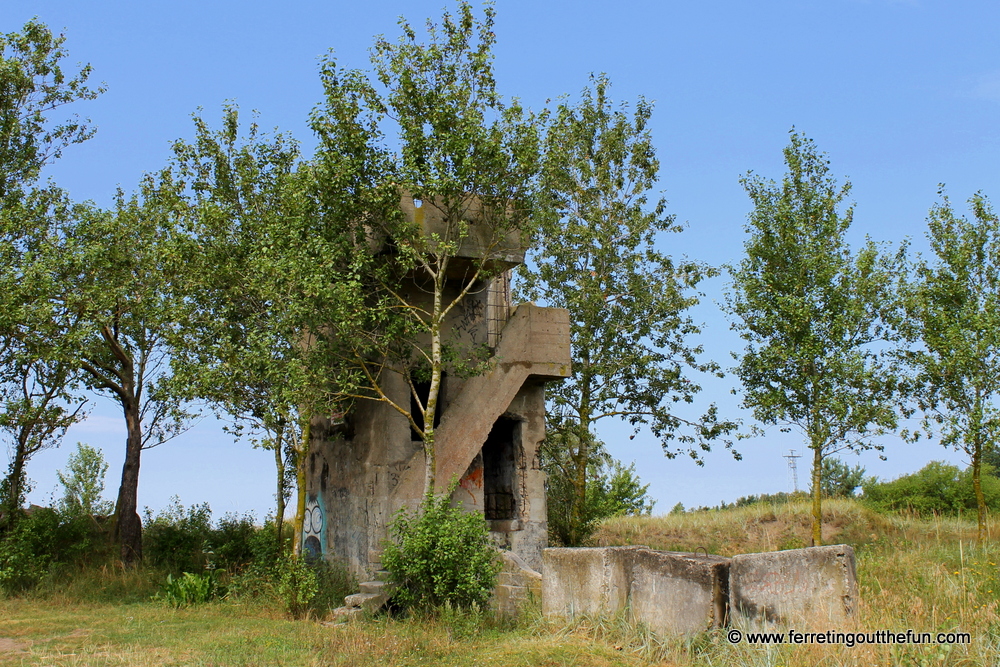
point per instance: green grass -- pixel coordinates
(924, 574)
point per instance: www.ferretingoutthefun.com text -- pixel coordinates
(848, 639)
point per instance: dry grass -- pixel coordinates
(928, 575)
(751, 529)
(924, 575)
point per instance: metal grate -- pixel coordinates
(497, 308)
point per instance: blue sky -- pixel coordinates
(902, 95)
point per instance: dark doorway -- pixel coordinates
(418, 402)
(500, 470)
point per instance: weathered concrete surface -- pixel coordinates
(535, 342)
(366, 465)
(585, 580)
(679, 593)
(672, 593)
(482, 237)
(517, 585)
(817, 585)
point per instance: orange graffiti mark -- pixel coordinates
(474, 478)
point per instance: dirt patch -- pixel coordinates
(13, 646)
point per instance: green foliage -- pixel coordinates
(287, 585)
(779, 498)
(839, 480)
(175, 538)
(937, 488)
(237, 541)
(612, 490)
(189, 589)
(620, 492)
(440, 555)
(33, 84)
(953, 327)
(812, 313)
(297, 585)
(83, 483)
(37, 541)
(598, 227)
(459, 153)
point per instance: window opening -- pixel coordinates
(500, 471)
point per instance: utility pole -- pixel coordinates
(793, 467)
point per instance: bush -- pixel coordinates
(189, 589)
(38, 540)
(233, 544)
(297, 585)
(612, 490)
(175, 538)
(440, 555)
(937, 488)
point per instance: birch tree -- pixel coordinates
(599, 226)
(812, 314)
(953, 325)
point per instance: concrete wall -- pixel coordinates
(679, 593)
(585, 580)
(815, 586)
(683, 594)
(672, 593)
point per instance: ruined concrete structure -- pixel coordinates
(684, 593)
(362, 473)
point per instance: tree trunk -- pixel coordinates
(128, 525)
(817, 495)
(301, 460)
(279, 464)
(580, 462)
(977, 486)
(15, 485)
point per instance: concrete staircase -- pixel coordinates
(372, 596)
(534, 343)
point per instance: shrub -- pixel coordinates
(233, 543)
(936, 488)
(297, 585)
(612, 490)
(36, 541)
(189, 589)
(175, 538)
(440, 555)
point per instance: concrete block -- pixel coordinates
(817, 585)
(678, 593)
(516, 584)
(370, 602)
(585, 580)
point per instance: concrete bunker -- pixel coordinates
(370, 463)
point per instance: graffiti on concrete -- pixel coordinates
(314, 528)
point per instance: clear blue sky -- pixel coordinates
(902, 94)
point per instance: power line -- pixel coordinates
(793, 467)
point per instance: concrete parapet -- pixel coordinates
(585, 580)
(671, 592)
(679, 593)
(816, 585)
(534, 343)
